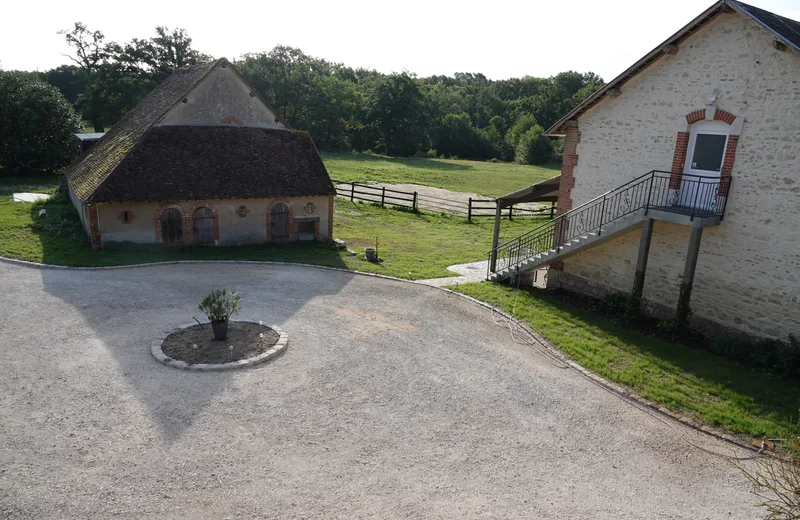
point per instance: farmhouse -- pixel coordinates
(680, 181)
(202, 159)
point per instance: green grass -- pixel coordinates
(711, 388)
(483, 178)
(412, 246)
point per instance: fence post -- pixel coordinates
(469, 210)
(414, 204)
(552, 210)
(510, 209)
(383, 194)
(352, 190)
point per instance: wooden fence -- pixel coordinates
(472, 208)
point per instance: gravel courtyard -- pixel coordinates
(394, 400)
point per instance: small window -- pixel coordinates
(708, 152)
(126, 217)
(305, 227)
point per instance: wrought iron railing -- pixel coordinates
(686, 194)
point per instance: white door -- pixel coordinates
(707, 143)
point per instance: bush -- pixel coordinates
(622, 306)
(766, 355)
(220, 304)
(776, 481)
(534, 147)
(37, 124)
(430, 154)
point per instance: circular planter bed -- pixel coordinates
(193, 347)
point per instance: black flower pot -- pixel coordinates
(220, 330)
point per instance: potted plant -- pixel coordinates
(218, 307)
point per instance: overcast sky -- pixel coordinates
(499, 38)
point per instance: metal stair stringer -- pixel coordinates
(571, 247)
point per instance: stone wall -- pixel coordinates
(748, 273)
(236, 221)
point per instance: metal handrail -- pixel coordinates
(691, 194)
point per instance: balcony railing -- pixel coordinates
(682, 193)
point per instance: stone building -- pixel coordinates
(680, 181)
(204, 160)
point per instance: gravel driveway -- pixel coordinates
(394, 400)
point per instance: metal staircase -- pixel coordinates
(687, 199)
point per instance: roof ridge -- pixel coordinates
(791, 40)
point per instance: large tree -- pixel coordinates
(37, 126)
(90, 53)
(155, 58)
(395, 108)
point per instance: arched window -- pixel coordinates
(171, 227)
(203, 226)
(279, 222)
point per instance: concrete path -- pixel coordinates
(394, 400)
(476, 272)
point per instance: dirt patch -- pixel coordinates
(248, 340)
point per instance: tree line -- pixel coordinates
(464, 116)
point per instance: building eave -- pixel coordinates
(559, 127)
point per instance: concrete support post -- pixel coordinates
(495, 237)
(641, 261)
(688, 276)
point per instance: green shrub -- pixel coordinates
(622, 306)
(220, 304)
(766, 355)
(533, 147)
(669, 328)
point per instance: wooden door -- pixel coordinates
(203, 226)
(280, 222)
(171, 226)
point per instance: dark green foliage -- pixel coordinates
(108, 79)
(465, 115)
(458, 138)
(766, 355)
(623, 307)
(533, 147)
(36, 126)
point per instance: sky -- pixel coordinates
(498, 38)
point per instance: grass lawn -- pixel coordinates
(412, 246)
(483, 178)
(713, 389)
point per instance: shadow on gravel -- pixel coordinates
(126, 309)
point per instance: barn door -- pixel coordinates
(203, 226)
(171, 228)
(280, 222)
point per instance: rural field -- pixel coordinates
(484, 178)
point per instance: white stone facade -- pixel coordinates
(748, 273)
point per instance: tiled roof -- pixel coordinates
(92, 168)
(217, 162)
(785, 28)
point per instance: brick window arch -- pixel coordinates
(191, 213)
(682, 145)
(277, 208)
(185, 221)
